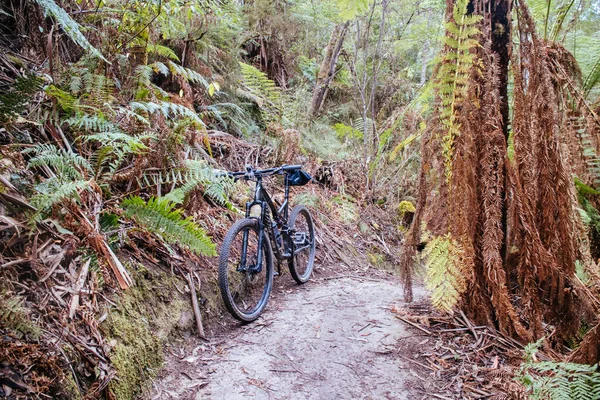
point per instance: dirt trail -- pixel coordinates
(323, 340)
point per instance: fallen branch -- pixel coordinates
(413, 324)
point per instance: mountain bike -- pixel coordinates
(247, 255)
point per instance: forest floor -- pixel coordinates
(338, 336)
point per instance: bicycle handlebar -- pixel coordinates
(251, 172)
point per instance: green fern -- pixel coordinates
(65, 100)
(445, 277)
(198, 174)
(593, 77)
(13, 102)
(162, 51)
(159, 216)
(66, 165)
(125, 142)
(115, 148)
(160, 68)
(549, 380)
(68, 178)
(94, 123)
(52, 192)
(189, 74)
(364, 126)
(263, 91)
(346, 132)
(167, 109)
(453, 76)
(69, 25)
(14, 316)
(562, 12)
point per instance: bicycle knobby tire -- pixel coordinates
(301, 264)
(245, 294)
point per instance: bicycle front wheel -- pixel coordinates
(303, 237)
(245, 282)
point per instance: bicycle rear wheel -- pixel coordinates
(245, 284)
(303, 236)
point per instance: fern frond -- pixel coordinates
(14, 100)
(364, 126)
(159, 216)
(199, 174)
(162, 51)
(70, 26)
(558, 380)
(53, 191)
(126, 112)
(167, 109)
(65, 99)
(453, 75)
(345, 132)
(445, 275)
(160, 68)
(562, 12)
(593, 77)
(189, 74)
(267, 95)
(143, 74)
(14, 316)
(124, 141)
(65, 164)
(95, 123)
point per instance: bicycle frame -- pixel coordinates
(280, 216)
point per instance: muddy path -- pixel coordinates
(333, 338)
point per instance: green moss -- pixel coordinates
(404, 207)
(146, 316)
(376, 259)
(137, 355)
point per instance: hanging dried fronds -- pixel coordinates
(516, 223)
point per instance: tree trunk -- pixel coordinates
(327, 69)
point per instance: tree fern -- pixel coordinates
(453, 76)
(159, 216)
(69, 25)
(445, 276)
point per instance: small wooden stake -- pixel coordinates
(78, 286)
(195, 306)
